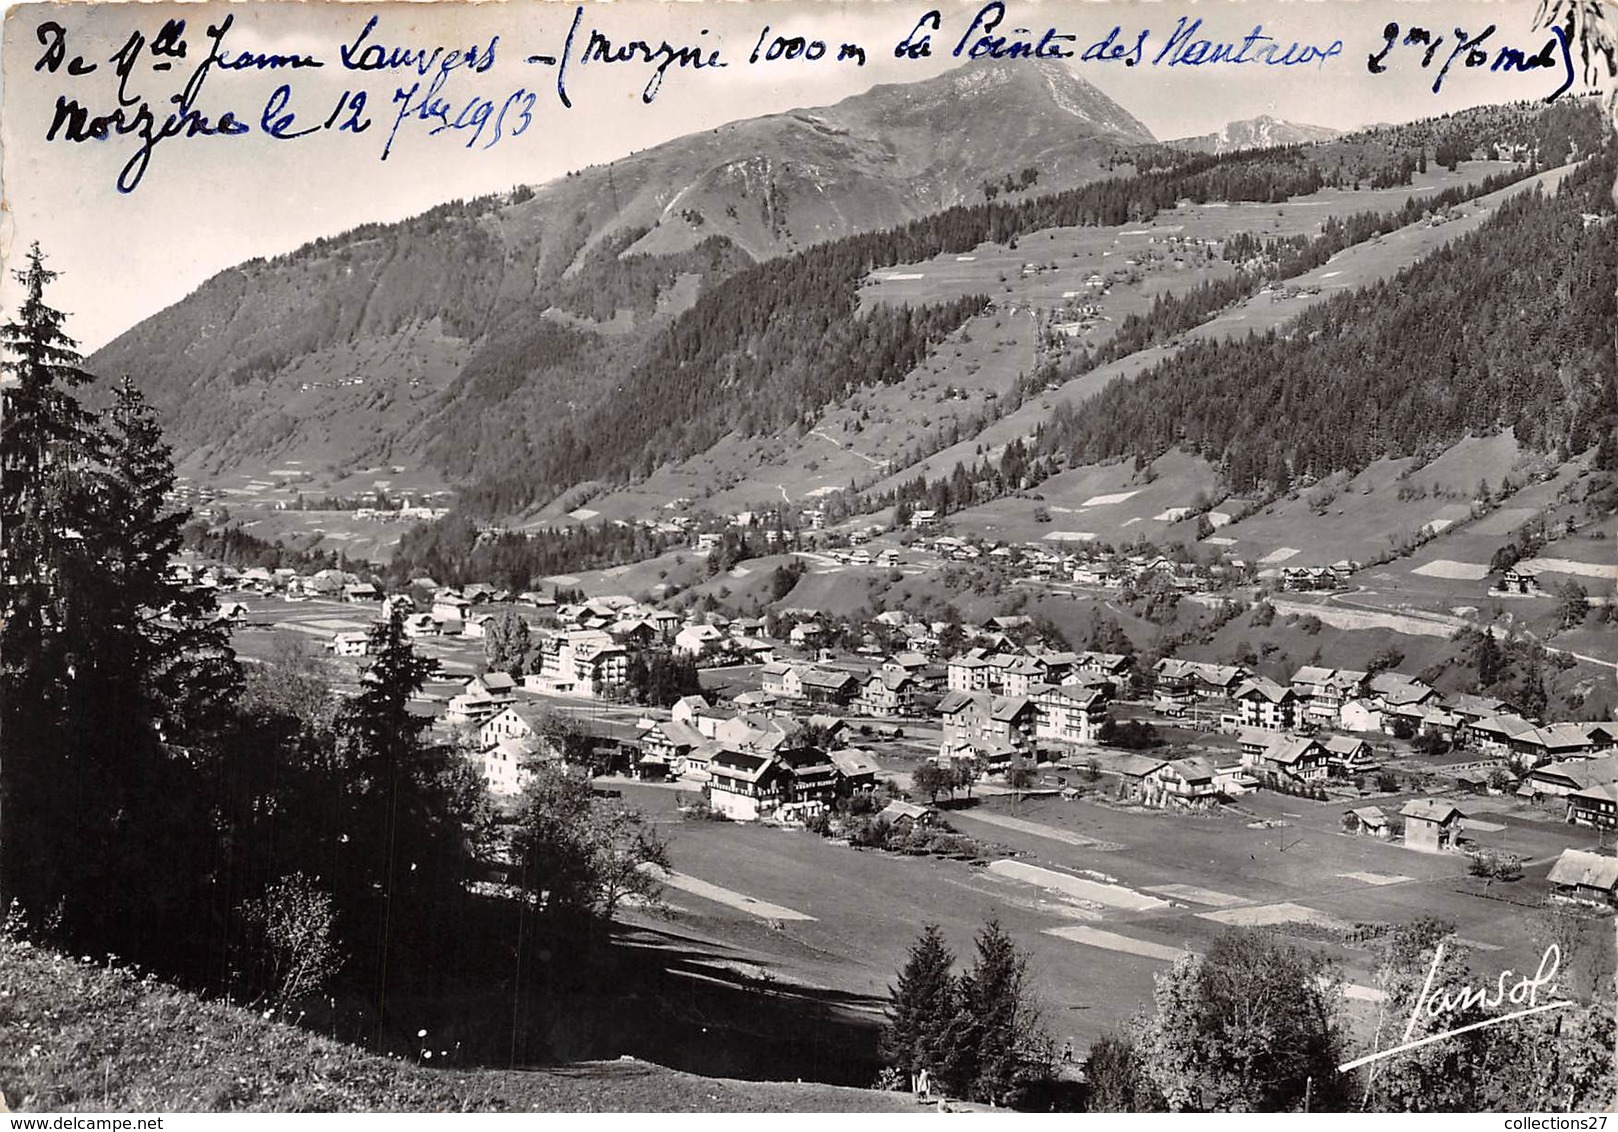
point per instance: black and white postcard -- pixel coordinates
(926, 556)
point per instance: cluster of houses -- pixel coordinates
(753, 764)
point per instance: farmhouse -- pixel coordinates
(1431, 825)
(1595, 806)
(1562, 778)
(1368, 821)
(1139, 776)
(828, 686)
(1582, 877)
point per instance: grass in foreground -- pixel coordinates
(77, 1035)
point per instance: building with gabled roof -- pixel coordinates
(1431, 825)
(1261, 702)
(1582, 877)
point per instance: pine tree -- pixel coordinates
(47, 445)
(1006, 1044)
(922, 1006)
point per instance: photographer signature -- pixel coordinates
(1523, 993)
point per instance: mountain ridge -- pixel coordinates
(347, 348)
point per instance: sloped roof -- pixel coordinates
(896, 810)
(1588, 870)
(1581, 772)
(1344, 745)
(854, 762)
(956, 701)
(1370, 815)
(1006, 708)
(741, 764)
(1313, 674)
(1136, 766)
(1431, 809)
(1289, 750)
(824, 678)
(1264, 687)
(1193, 769)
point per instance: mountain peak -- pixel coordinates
(1044, 87)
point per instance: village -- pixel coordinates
(787, 727)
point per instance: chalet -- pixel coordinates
(361, 591)
(1322, 692)
(1431, 825)
(811, 778)
(1068, 714)
(1174, 691)
(1139, 776)
(1595, 806)
(232, 613)
(1261, 702)
(901, 815)
(420, 625)
(856, 769)
(1294, 757)
(1582, 877)
(634, 632)
(1367, 821)
(829, 686)
(665, 622)
(350, 644)
(1498, 735)
(1520, 581)
(1113, 667)
(669, 741)
(1470, 709)
(697, 763)
(492, 684)
(923, 520)
(1349, 755)
(450, 607)
(804, 633)
(696, 640)
(1253, 742)
(1563, 778)
(888, 693)
(745, 786)
(1190, 780)
(928, 677)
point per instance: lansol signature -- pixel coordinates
(1524, 993)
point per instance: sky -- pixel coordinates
(205, 203)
